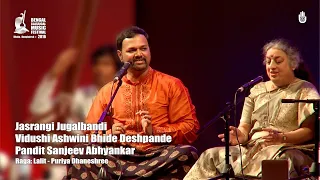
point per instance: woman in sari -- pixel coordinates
(268, 129)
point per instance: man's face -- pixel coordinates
(104, 70)
(137, 51)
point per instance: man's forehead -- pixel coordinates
(137, 40)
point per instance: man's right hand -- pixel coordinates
(118, 128)
(232, 135)
(64, 60)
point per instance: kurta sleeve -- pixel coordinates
(183, 123)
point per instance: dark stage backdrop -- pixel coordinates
(214, 47)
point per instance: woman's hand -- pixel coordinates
(232, 135)
(274, 137)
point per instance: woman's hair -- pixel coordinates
(296, 62)
(284, 45)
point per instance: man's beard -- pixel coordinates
(140, 67)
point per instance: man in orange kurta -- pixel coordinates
(165, 98)
(148, 103)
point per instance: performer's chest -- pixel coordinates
(132, 99)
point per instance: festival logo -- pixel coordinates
(37, 28)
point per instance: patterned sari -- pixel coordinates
(263, 109)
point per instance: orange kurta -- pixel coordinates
(165, 97)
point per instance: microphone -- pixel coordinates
(250, 83)
(122, 71)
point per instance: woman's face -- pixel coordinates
(278, 67)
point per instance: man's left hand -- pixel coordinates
(145, 122)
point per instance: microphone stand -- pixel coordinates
(107, 115)
(106, 112)
(227, 171)
(221, 114)
(316, 103)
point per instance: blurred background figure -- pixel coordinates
(25, 63)
(47, 107)
(105, 64)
